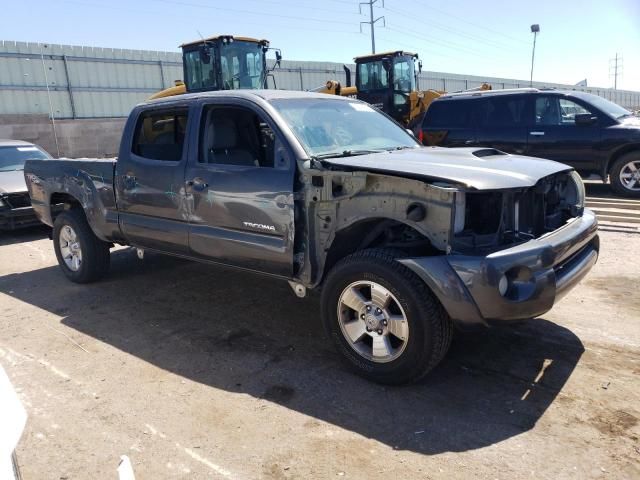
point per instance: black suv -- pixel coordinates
(591, 134)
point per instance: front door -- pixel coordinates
(240, 183)
(556, 136)
(150, 181)
(502, 122)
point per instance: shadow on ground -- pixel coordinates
(9, 237)
(248, 334)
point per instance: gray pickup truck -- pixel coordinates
(405, 241)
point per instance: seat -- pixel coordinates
(550, 115)
(223, 146)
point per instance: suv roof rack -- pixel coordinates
(482, 93)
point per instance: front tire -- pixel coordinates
(82, 256)
(625, 175)
(383, 318)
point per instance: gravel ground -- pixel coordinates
(200, 372)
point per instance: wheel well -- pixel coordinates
(617, 154)
(64, 198)
(378, 233)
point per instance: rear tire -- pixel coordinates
(82, 256)
(403, 334)
(622, 174)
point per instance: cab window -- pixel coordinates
(239, 136)
(160, 135)
(373, 76)
(503, 111)
(553, 110)
(450, 114)
(200, 70)
(403, 76)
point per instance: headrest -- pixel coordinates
(223, 134)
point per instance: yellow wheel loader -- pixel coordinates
(223, 62)
(389, 81)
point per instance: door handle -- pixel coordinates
(538, 134)
(129, 181)
(197, 184)
(468, 142)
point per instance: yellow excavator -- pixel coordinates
(388, 81)
(223, 62)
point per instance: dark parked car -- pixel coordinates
(591, 134)
(15, 205)
(323, 191)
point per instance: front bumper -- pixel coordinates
(539, 273)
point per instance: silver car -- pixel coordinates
(15, 204)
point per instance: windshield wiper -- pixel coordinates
(403, 147)
(345, 153)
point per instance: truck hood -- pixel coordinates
(474, 168)
(12, 182)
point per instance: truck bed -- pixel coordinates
(89, 181)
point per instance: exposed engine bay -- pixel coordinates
(501, 218)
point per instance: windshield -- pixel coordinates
(612, 109)
(242, 65)
(13, 158)
(335, 127)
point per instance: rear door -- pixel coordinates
(555, 135)
(450, 123)
(240, 183)
(150, 180)
(502, 122)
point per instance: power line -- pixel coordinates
(464, 20)
(440, 43)
(443, 43)
(372, 22)
(394, 41)
(448, 29)
(110, 6)
(249, 12)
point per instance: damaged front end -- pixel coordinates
(514, 253)
(496, 219)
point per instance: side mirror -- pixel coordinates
(419, 66)
(585, 119)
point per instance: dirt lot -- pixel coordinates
(198, 372)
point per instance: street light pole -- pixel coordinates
(534, 29)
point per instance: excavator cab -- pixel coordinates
(387, 80)
(223, 62)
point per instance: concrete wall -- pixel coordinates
(98, 137)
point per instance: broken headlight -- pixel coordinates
(578, 201)
(460, 213)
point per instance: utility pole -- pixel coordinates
(371, 21)
(615, 69)
(46, 81)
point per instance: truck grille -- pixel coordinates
(18, 200)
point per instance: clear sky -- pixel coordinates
(480, 37)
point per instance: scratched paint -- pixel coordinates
(210, 198)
